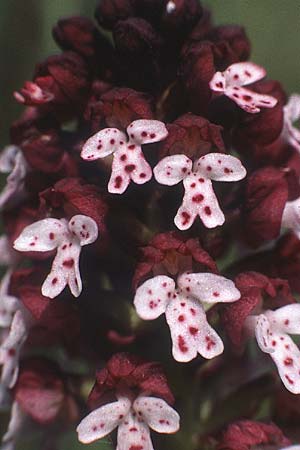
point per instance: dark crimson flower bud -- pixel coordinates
(266, 197)
(109, 12)
(255, 289)
(235, 36)
(245, 434)
(265, 127)
(171, 254)
(192, 135)
(118, 108)
(126, 370)
(71, 196)
(138, 46)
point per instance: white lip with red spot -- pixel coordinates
(12, 162)
(199, 197)
(128, 159)
(133, 418)
(272, 330)
(291, 113)
(67, 238)
(190, 332)
(230, 83)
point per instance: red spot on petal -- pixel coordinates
(11, 352)
(142, 175)
(274, 343)
(247, 98)
(68, 263)
(112, 141)
(286, 322)
(152, 304)
(152, 135)
(289, 379)
(54, 281)
(32, 244)
(193, 185)
(208, 168)
(220, 84)
(133, 429)
(201, 180)
(248, 74)
(131, 147)
(118, 182)
(198, 198)
(181, 318)
(193, 311)
(207, 210)
(193, 330)
(182, 345)
(130, 168)
(226, 170)
(288, 361)
(144, 133)
(121, 416)
(216, 294)
(186, 217)
(182, 304)
(209, 342)
(123, 157)
(51, 236)
(236, 77)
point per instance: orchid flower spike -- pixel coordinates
(230, 83)
(13, 162)
(128, 159)
(291, 216)
(133, 417)
(185, 314)
(272, 330)
(67, 238)
(199, 198)
(291, 113)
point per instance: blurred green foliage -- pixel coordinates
(25, 38)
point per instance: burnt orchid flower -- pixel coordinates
(133, 417)
(291, 111)
(68, 238)
(199, 198)
(230, 83)
(12, 162)
(185, 313)
(272, 330)
(128, 159)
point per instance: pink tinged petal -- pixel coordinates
(133, 434)
(291, 216)
(286, 356)
(84, 228)
(190, 332)
(10, 349)
(16, 423)
(199, 199)
(41, 236)
(219, 167)
(243, 73)
(103, 143)
(146, 131)
(250, 101)
(152, 297)
(172, 169)
(102, 421)
(65, 270)
(285, 319)
(208, 288)
(157, 414)
(264, 334)
(218, 82)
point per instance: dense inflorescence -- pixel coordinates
(122, 140)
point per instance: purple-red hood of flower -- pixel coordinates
(193, 136)
(71, 196)
(40, 390)
(266, 196)
(117, 108)
(257, 290)
(129, 371)
(56, 320)
(170, 253)
(245, 434)
(235, 36)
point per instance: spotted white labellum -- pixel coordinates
(128, 159)
(133, 419)
(12, 162)
(272, 330)
(185, 314)
(291, 217)
(11, 347)
(199, 198)
(67, 238)
(230, 83)
(291, 113)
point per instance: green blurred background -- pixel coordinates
(25, 38)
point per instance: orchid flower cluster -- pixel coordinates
(157, 100)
